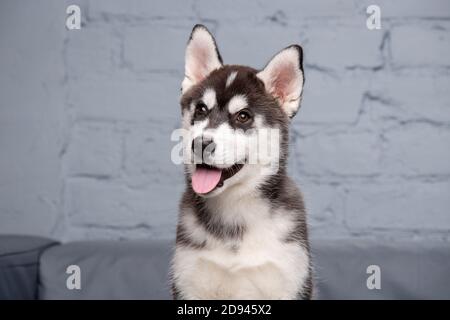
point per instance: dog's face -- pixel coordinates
(236, 118)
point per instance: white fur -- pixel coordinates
(284, 66)
(209, 98)
(237, 103)
(264, 266)
(230, 79)
(234, 146)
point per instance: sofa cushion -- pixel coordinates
(408, 270)
(138, 270)
(108, 270)
(19, 264)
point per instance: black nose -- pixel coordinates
(203, 148)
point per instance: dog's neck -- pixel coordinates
(233, 205)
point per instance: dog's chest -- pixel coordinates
(259, 265)
(261, 241)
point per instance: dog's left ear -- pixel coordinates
(283, 78)
(202, 57)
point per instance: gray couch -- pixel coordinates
(35, 268)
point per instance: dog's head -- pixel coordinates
(236, 117)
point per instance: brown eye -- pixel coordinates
(201, 110)
(243, 116)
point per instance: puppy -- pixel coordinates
(242, 230)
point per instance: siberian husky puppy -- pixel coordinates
(242, 231)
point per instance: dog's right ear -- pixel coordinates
(202, 57)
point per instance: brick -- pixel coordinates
(148, 155)
(329, 99)
(399, 206)
(421, 45)
(31, 99)
(324, 206)
(246, 45)
(292, 10)
(94, 149)
(410, 96)
(338, 153)
(369, 145)
(335, 47)
(141, 9)
(116, 206)
(412, 8)
(30, 201)
(417, 149)
(92, 51)
(127, 99)
(156, 47)
(327, 46)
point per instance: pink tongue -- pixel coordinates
(204, 180)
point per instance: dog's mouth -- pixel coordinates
(206, 178)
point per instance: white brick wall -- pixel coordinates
(94, 150)
(410, 95)
(404, 205)
(421, 45)
(86, 116)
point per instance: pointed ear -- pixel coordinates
(202, 57)
(283, 78)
